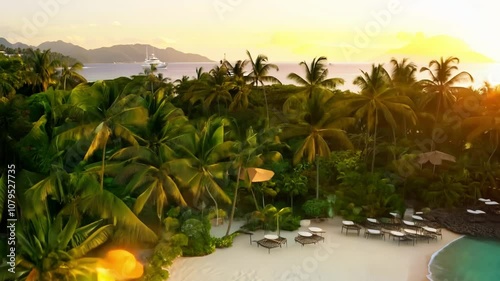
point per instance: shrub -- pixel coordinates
(362, 195)
(167, 250)
(290, 222)
(315, 208)
(200, 242)
(224, 242)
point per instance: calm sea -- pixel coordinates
(348, 71)
(467, 259)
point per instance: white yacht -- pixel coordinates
(153, 60)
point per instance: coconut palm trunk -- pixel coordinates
(267, 106)
(374, 140)
(216, 205)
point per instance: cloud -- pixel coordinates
(164, 41)
(116, 23)
(75, 39)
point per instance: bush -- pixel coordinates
(224, 242)
(200, 242)
(267, 219)
(167, 250)
(290, 222)
(315, 208)
(362, 195)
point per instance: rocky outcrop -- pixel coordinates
(460, 221)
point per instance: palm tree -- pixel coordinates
(260, 74)
(206, 158)
(404, 80)
(377, 99)
(318, 124)
(12, 75)
(54, 248)
(440, 89)
(241, 89)
(487, 122)
(80, 195)
(237, 70)
(147, 175)
(42, 69)
(71, 73)
(146, 169)
(199, 73)
(101, 112)
(213, 87)
(249, 152)
(316, 77)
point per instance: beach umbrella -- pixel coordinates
(256, 174)
(435, 157)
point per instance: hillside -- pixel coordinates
(117, 53)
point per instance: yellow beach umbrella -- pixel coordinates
(256, 174)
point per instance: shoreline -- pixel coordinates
(349, 257)
(429, 276)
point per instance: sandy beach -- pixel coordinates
(339, 257)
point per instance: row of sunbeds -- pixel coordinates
(400, 230)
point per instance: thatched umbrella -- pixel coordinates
(436, 157)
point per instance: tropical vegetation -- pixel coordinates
(139, 162)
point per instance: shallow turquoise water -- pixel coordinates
(467, 259)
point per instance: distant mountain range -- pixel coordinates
(117, 53)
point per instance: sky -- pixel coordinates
(284, 30)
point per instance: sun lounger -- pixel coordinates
(396, 218)
(410, 224)
(388, 223)
(417, 235)
(476, 215)
(373, 223)
(374, 232)
(269, 244)
(432, 231)
(417, 218)
(349, 225)
(304, 238)
(316, 230)
(271, 241)
(400, 236)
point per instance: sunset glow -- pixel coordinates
(356, 30)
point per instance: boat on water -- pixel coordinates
(152, 60)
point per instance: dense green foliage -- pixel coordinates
(165, 252)
(122, 152)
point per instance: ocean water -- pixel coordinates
(347, 71)
(467, 259)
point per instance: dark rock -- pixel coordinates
(460, 221)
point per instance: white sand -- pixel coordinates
(340, 257)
